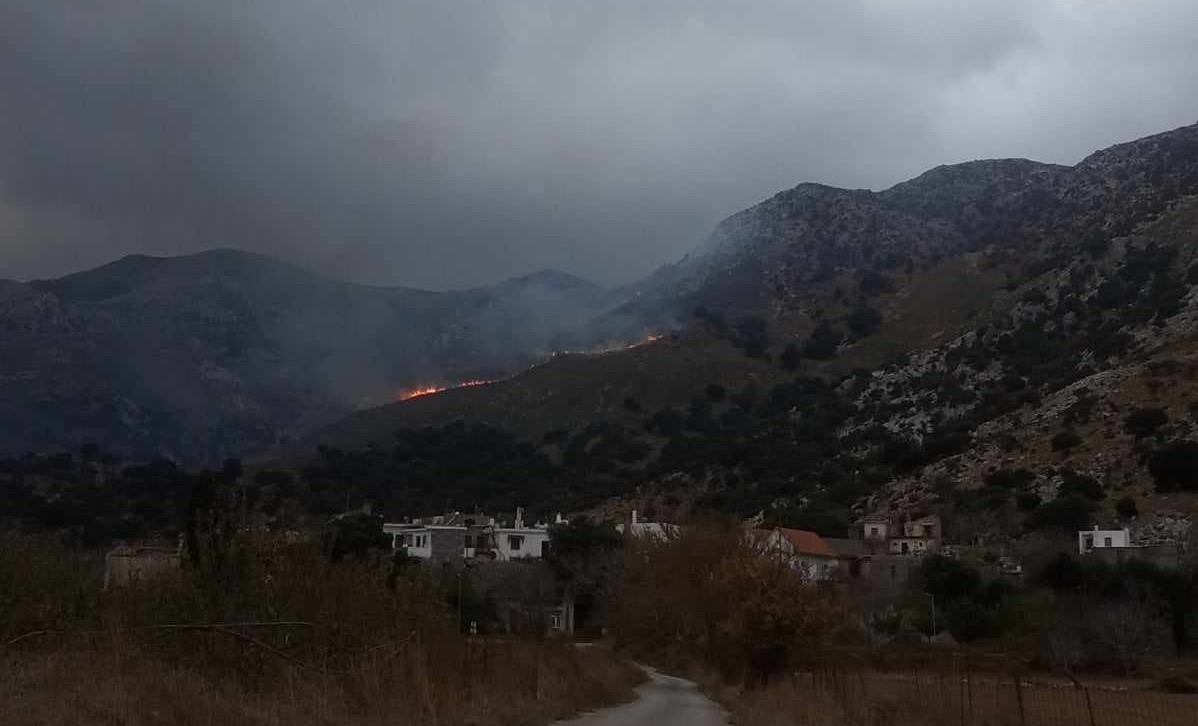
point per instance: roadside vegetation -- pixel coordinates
(260, 630)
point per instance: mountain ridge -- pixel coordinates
(223, 352)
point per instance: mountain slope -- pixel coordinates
(927, 260)
(225, 352)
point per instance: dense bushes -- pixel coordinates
(822, 343)
(1067, 513)
(973, 609)
(1175, 466)
(1144, 422)
(709, 593)
(317, 641)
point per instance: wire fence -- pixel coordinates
(956, 693)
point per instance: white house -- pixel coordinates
(1090, 540)
(874, 527)
(805, 551)
(469, 536)
(911, 546)
(649, 530)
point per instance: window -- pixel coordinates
(555, 620)
(469, 542)
(873, 531)
(407, 540)
(1088, 541)
(1106, 541)
(906, 548)
(929, 530)
(545, 548)
(515, 542)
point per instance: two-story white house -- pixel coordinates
(470, 536)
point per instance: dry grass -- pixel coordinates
(356, 649)
(912, 699)
(116, 681)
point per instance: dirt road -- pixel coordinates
(662, 701)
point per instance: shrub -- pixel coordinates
(864, 321)
(1065, 440)
(1010, 478)
(1027, 501)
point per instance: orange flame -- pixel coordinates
(408, 394)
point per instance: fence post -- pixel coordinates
(1085, 691)
(969, 688)
(960, 692)
(1019, 698)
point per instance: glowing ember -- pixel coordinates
(410, 393)
(612, 348)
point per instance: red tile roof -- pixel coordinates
(807, 543)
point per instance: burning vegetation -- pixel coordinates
(408, 394)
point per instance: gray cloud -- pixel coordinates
(444, 144)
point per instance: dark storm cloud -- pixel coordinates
(447, 143)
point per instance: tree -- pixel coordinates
(873, 283)
(356, 535)
(1070, 513)
(1086, 486)
(587, 556)
(1175, 466)
(822, 343)
(710, 592)
(752, 335)
(790, 358)
(1144, 422)
(1126, 507)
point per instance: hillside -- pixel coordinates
(823, 353)
(212, 355)
(874, 275)
(840, 352)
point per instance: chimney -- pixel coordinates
(557, 519)
(634, 516)
(519, 517)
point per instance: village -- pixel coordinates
(503, 565)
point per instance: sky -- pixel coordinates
(452, 143)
